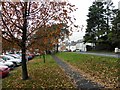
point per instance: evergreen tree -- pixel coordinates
(114, 35)
(99, 24)
(95, 22)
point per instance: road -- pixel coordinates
(102, 54)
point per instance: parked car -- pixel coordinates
(30, 56)
(4, 71)
(11, 65)
(2, 64)
(11, 59)
(77, 50)
(16, 56)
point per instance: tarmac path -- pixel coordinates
(80, 81)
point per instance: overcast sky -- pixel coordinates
(81, 17)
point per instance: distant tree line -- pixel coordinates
(103, 26)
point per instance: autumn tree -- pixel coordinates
(47, 40)
(58, 33)
(21, 20)
(51, 38)
(9, 46)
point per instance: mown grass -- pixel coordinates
(103, 69)
(42, 75)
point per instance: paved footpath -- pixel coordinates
(81, 83)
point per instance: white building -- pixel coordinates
(79, 46)
(83, 46)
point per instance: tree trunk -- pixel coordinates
(24, 66)
(44, 58)
(24, 38)
(57, 48)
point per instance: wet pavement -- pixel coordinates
(80, 81)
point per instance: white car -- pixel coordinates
(16, 56)
(11, 59)
(7, 63)
(3, 66)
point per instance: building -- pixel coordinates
(73, 46)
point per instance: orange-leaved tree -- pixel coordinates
(50, 36)
(9, 46)
(21, 20)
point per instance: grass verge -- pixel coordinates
(100, 69)
(42, 75)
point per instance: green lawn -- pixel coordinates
(103, 69)
(42, 75)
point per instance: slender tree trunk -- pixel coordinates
(24, 38)
(44, 58)
(24, 66)
(57, 48)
